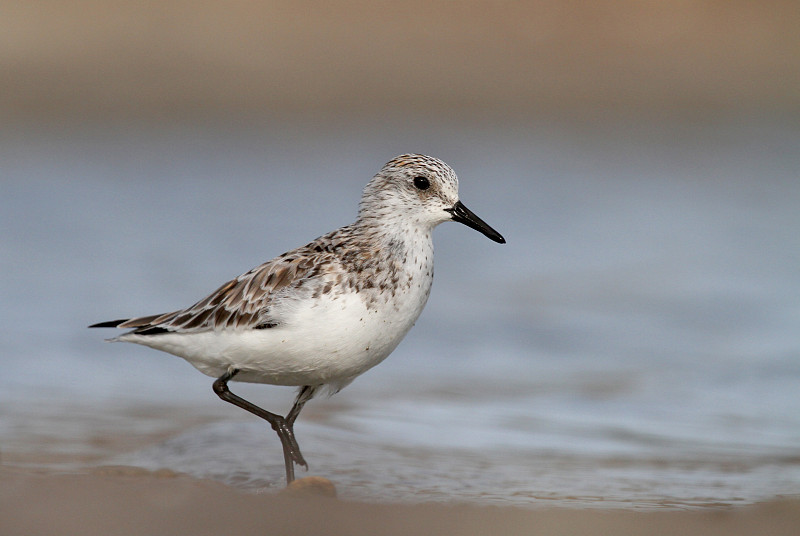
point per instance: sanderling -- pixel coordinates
(318, 316)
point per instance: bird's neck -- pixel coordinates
(396, 234)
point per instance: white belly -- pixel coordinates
(327, 340)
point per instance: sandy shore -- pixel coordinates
(125, 501)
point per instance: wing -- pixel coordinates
(251, 301)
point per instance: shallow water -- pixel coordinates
(634, 344)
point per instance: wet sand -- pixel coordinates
(60, 484)
(121, 502)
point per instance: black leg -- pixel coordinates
(305, 394)
(281, 425)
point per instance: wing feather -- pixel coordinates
(245, 302)
(253, 300)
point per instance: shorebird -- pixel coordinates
(318, 316)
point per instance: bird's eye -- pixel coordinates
(421, 183)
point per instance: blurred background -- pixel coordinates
(92, 60)
(634, 344)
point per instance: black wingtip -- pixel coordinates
(109, 324)
(155, 330)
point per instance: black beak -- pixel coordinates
(462, 214)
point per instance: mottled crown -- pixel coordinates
(413, 163)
